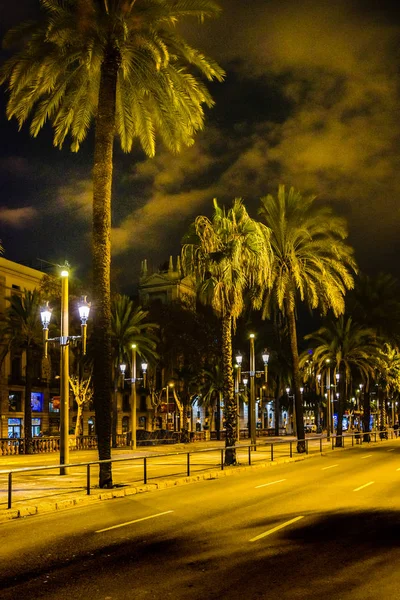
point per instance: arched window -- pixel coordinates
(125, 424)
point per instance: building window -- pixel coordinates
(36, 430)
(54, 404)
(125, 424)
(15, 402)
(14, 428)
(37, 401)
(16, 367)
(126, 407)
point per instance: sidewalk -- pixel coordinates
(46, 491)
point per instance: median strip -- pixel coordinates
(363, 486)
(135, 521)
(277, 528)
(270, 483)
(330, 467)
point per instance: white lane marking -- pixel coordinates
(330, 467)
(262, 535)
(363, 486)
(398, 469)
(270, 483)
(366, 456)
(135, 521)
(390, 450)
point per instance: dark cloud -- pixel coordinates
(311, 99)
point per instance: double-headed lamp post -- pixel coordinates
(133, 396)
(64, 339)
(252, 406)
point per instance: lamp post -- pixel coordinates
(64, 339)
(239, 359)
(294, 410)
(252, 404)
(133, 396)
(265, 357)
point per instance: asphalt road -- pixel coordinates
(327, 527)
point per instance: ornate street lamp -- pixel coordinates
(64, 340)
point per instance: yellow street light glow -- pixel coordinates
(133, 346)
(252, 335)
(64, 273)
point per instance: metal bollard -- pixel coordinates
(9, 490)
(145, 469)
(272, 452)
(188, 464)
(88, 480)
(222, 460)
(250, 455)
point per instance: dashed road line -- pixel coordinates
(135, 521)
(390, 450)
(366, 456)
(330, 467)
(265, 533)
(270, 483)
(363, 486)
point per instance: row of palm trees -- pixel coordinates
(296, 253)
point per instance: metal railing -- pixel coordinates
(260, 452)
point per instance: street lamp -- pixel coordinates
(64, 340)
(265, 357)
(252, 404)
(239, 359)
(133, 396)
(294, 410)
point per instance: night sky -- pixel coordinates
(311, 99)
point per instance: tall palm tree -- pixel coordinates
(312, 264)
(229, 255)
(124, 66)
(21, 329)
(351, 349)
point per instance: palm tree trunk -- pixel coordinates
(301, 446)
(28, 445)
(277, 396)
(230, 411)
(218, 417)
(341, 407)
(366, 415)
(101, 251)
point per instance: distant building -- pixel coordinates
(166, 285)
(14, 278)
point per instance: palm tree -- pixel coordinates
(211, 393)
(312, 264)
(228, 256)
(124, 66)
(21, 329)
(388, 379)
(129, 326)
(350, 348)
